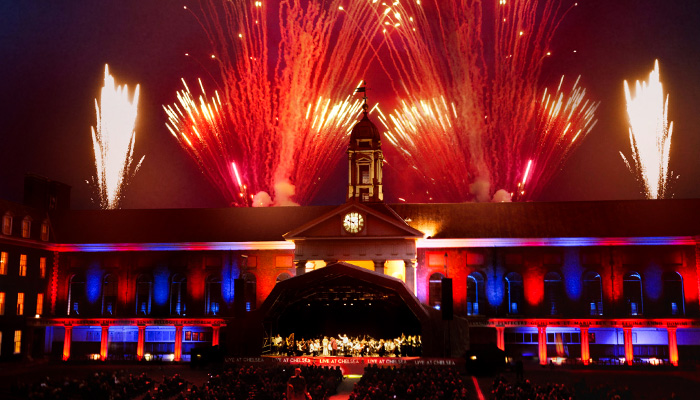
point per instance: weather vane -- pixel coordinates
(363, 89)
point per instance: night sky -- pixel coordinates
(52, 57)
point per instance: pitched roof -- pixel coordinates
(182, 225)
(636, 218)
(629, 218)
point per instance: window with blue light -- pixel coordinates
(593, 293)
(250, 291)
(553, 292)
(144, 292)
(213, 298)
(435, 290)
(475, 293)
(514, 292)
(632, 293)
(109, 295)
(673, 294)
(178, 293)
(76, 295)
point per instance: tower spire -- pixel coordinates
(365, 158)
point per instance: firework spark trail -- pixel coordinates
(650, 134)
(486, 60)
(200, 128)
(273, 111)
(113, 140)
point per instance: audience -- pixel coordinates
(410, 383)
(117, 385)
(266, 383)
(523, 389)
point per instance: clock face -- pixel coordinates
(353, 222)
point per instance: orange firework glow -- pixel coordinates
(469, 75)
(113, 141)
(650, 135)
(285, 122)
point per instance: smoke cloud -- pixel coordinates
(480, 190)
(284, 191)
(262, 199)
(501, 196)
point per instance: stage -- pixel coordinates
(349, 365)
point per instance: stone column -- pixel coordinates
(585, 350)
(501, 337)
(379, 266)
(104, 342)
(672, 345)
(300, 267)
(629, 350)
(67, 337)
(178, 343)
(542, 343)
(410, 275)
(215, 335)
(141, 342)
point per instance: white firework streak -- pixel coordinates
(650, 134)
(113, 140)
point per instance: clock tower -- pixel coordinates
(365, 161)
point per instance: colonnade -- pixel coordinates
(585, 346)
(104, 340)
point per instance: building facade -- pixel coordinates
(614, 281)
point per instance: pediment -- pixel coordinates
(380, 222)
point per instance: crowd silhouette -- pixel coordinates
(410, 383)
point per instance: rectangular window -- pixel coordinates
(26, 227)
(284, 261)
(364, 175)
(2, 303)
(3, 263)
(18, 341)
(7, 225)
(23, 265)
(42, 267)
(45, 232)
(20, 303)
(39, 303)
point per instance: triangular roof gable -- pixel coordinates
(326, 226)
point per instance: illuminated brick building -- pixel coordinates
(578, 280)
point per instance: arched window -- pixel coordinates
(632, 293)
(45, 230)
(110, 292)
(250, 292)
(593, 293)
(178, 293)
(435, 290)
(77, 300)
(144, 292)
(27, 227)
(514, 292)
(674, 298)
(7, 224)
(553, 293)
(282, 277)
(213, 296)
(475, 293)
